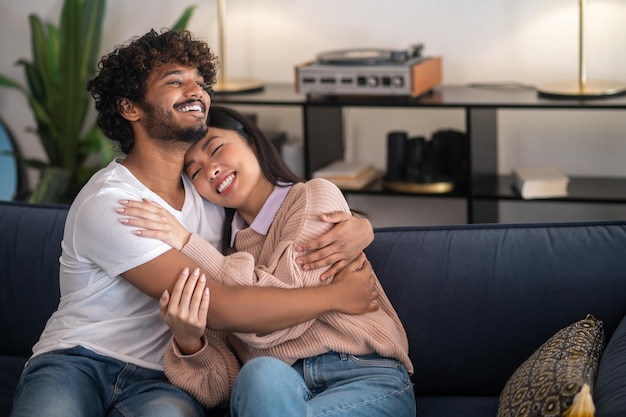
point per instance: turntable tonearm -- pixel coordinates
(370, 72)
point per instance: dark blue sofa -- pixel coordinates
(476, 300)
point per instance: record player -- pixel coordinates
(370, 72)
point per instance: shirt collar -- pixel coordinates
(264, 219)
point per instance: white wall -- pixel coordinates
(488, 41)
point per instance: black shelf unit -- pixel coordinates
(323, 136)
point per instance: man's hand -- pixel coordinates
(356, 286)
(340, 245)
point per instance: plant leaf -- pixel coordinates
(93, 17)
(81, 23)
(7, 82)
(183, 20)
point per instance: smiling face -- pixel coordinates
(176, 104)
(225, 171)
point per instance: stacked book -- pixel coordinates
(348, 175)
(540, 182)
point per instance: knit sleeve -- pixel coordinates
(299, 222)
(208, 375)
(234, 269)
(239, 269)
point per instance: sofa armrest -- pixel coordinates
(610, 386)
(30, 246)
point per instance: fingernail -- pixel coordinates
(120, 209)
(123, 202)
(124, 221)
(202, 278)
(164, 295)
(186, 271)
(196, 271)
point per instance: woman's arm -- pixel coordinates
(263, 310)
(208, 375)
(185, 310)
(238, 268)
(342, 243)
(197, 360)
(353, 293)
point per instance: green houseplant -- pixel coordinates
(64, 58)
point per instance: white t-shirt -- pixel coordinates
(99, 309)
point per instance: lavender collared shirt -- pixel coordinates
(264, 219)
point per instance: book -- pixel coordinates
(540, 182)
(348, 175)
(342, 169)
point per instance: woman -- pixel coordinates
(336, 364)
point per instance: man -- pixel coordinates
(101, 351)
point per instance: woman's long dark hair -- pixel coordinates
(272, 164)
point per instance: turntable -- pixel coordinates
(370, 72)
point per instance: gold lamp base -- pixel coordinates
(237, 86)
(582, 88)
(574, 89)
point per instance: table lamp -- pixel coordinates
(224, 84)
(583, 87)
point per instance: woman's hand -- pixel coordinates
(154, 221)
(356, 286)
(344, 242)
(185, 311)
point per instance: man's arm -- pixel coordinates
(263, 310)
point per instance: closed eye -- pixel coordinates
(216, 149)
(192, 173)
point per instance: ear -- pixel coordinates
(128, 110)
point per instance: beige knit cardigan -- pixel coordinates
(270, 261)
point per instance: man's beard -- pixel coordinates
(160, 125)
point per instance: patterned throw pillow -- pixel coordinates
(557, 379)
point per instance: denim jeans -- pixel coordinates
(78, 382)
(332, 384)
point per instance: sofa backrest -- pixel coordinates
(30, 246)
(477, 300)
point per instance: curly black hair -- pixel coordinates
(123, 74)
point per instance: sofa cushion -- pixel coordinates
(497, 290)
(610, 386)
(550, 379)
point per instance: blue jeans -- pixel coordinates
(332, 384)
(78, 382)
